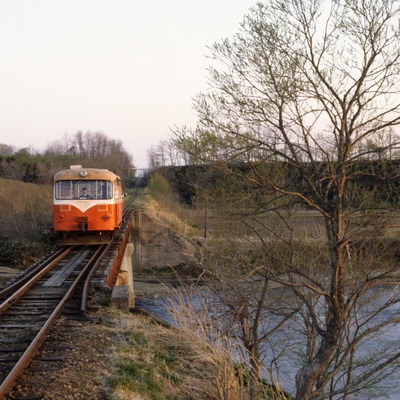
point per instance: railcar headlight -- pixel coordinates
(83, 173)
(105, 217)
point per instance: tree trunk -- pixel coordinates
(308, 376)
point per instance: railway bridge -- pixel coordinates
(144, 244)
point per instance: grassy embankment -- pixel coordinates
(147, 361)
(180, 363)
(25, 222)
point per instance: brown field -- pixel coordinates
(25, 209)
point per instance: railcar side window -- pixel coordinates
(83, 190)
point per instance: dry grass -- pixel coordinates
(154, 362)
(218, 359)
(26, 209)
(167, 216)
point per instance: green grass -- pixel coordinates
(138, 376)
(146, 367)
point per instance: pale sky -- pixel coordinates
(126, 68)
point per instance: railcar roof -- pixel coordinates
(91, 174)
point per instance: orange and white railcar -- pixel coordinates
(87, 205)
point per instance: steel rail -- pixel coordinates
(86, 286)
(25, 287)
(17, 284)
(27, 356)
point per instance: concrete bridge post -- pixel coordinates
(123, 296)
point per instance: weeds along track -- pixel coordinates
(31, 306)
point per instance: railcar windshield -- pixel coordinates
(83, 190)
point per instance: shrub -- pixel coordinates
(158, 187)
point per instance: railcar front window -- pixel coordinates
(83, 190)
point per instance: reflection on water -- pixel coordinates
(288, 343)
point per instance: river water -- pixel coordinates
(288, 343)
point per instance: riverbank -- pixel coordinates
(117, 356)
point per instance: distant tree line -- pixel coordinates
(375, 179)
(91, 149)
(182, 150)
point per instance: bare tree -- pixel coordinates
(304, 91)
(164, 154)
(94, 150)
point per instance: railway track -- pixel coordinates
(31, 306)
